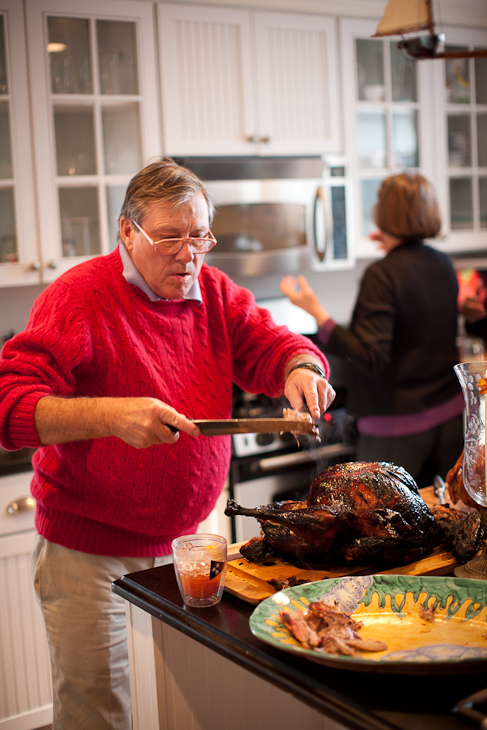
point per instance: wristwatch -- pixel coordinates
(309, 366)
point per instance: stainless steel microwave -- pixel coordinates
(276, 215)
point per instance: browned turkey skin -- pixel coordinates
(358, 513)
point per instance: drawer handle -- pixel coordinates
(24, 504)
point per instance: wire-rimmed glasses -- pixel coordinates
(171, 246)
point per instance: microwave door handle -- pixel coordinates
(320, 205)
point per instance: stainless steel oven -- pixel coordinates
(276, 215)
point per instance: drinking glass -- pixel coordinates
(200, 563)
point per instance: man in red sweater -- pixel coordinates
(114, 353)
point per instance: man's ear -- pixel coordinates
(127, 232)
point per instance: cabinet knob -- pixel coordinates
(265, 139)
(53, 264)
(35, 266)
(24, 504)
(252, 138)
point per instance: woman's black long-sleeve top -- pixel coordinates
(401, 343)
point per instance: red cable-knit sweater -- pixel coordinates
(92, 334)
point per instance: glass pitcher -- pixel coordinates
(469, 374)
(472, 377)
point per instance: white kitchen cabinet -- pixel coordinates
(425, 116)
(94, 97)
(388, 112)
(236, 82)
(178, 683)
(460, 139)
(25, 674)
(19, 255)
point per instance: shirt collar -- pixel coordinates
(133, 276)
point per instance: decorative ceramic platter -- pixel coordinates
(389, 608)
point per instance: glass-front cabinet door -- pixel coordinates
(428, 115)
(95, 119)
(385, 111)
(19, 257)
(461, 140)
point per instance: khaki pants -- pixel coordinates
(87, 636)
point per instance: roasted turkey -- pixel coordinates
(360, 513)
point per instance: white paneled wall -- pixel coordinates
(178, 684)
(25, 675)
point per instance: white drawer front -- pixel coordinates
(15, 494)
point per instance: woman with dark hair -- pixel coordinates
(401, 343)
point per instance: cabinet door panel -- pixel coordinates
(118, 65)
(18, 235)
(459, 141)
(206, 77)
(95, 105)
(115, 195)
(68, 44)
(387, 116)
(372, 139)
(483, 201)
(237, 82)
(6, 168)
(74, 136)
(78, 207)
(297, 89)
(122, 142)
(405, 139)
(461, 203)
(25, 675)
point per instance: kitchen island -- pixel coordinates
(196, 669)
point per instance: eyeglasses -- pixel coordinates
(171, 246)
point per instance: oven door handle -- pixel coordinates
(305, 457)
(321, 205)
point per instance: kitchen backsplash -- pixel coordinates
(336, 290)
(15, 306)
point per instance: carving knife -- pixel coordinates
(219, 427)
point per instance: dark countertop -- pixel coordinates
(358, 700)
(14, 462)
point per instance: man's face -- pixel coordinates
(170, 277)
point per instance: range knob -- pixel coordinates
(264, 439)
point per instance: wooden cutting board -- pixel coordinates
(249, 581)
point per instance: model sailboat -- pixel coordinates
(413, 16)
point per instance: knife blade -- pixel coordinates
(220, 427)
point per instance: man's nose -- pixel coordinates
(185, 253)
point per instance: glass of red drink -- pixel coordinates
(200, 564)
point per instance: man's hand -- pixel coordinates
(303, 386)
(140, 422)
(143, 422)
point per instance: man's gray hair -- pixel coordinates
(162, 182)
